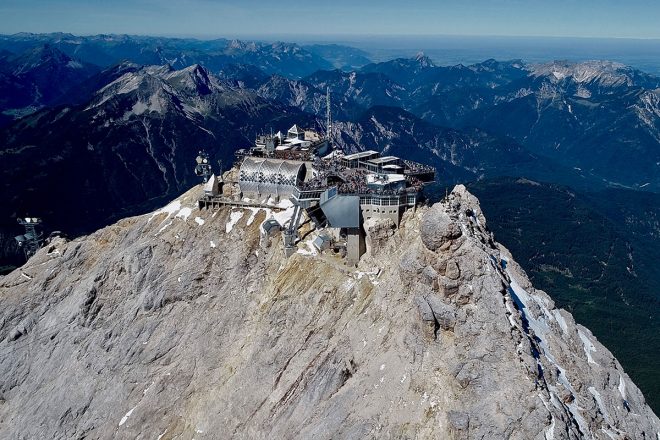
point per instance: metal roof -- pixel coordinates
(360, 155)
(381, 160)
(211, 186)
(385, 178)
(295, 129)
(270, 176)
(342, 211)
(268, 225)
(322, 242)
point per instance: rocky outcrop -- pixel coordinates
(437, 229)
(176, 325)
(377, 233)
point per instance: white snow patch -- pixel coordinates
(550, 432)
(184, 213)
(310, 248)
(371, 274)
(126, 416)
(622, 387)
(253, 214)
(170, 209)
(285, 204)
(588, 346)
(161, 436)
(212, 244)
(163, 228)
(575, 411)
(234, 217)
(511, 314)
(560, 320)
(199, 221)
(283, 217)
(539, 325)
(563, 379)
(553, 398)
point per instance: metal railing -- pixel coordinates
(380, 199)
(307, 195)
(388, 200)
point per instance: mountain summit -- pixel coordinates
(179, 324)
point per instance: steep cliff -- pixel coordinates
(178, 325)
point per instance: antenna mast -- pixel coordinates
(328, 116)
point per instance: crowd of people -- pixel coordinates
(354, 180)
(417, 168)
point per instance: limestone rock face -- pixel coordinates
(438, 229)
(378, 232)
(178, 325)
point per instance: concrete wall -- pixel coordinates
(355, 245)
(376, 211)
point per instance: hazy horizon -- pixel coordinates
(312, 38)
(643, 54)
(562, 18)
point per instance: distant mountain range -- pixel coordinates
(584, 116)
(107, 50)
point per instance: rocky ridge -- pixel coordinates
(178, 325)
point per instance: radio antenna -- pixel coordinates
(328, 116)
(203, 167)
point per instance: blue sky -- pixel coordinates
(581, 18)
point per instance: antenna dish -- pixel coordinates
(203, 168)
